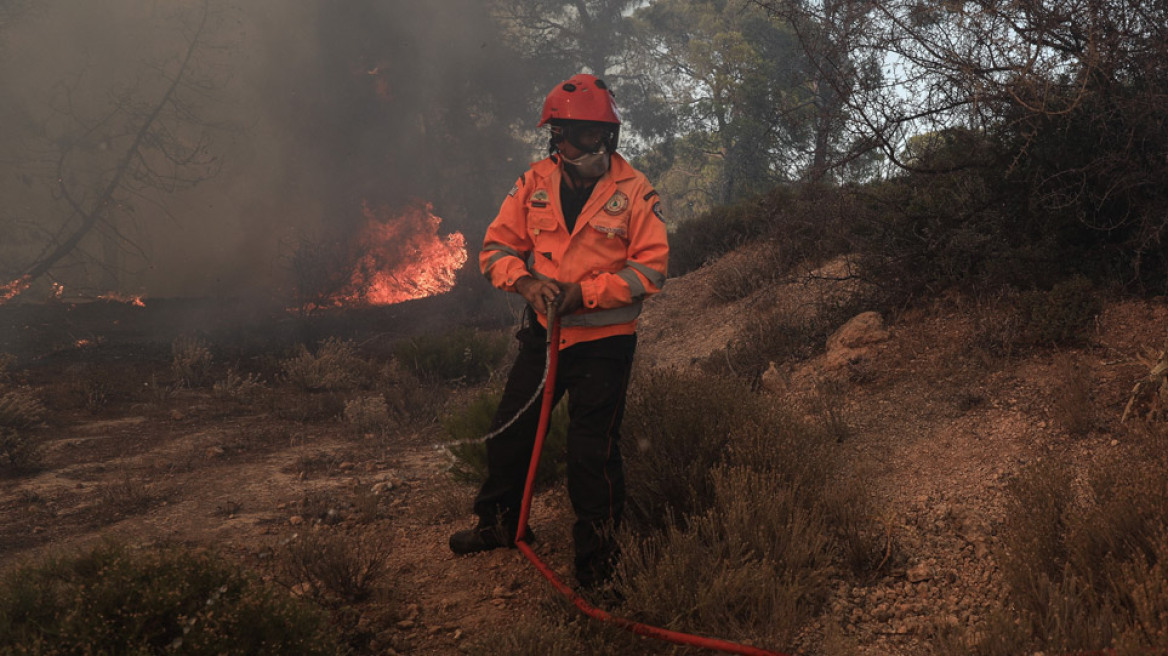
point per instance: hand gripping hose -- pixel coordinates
(549, 393)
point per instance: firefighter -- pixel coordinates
(583, 230)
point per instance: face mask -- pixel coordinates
(590, 165)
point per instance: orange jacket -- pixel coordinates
(618, 251)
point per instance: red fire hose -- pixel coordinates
(549, 392)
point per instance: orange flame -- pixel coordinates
(135, 300)
(14, 288)
(399, 258)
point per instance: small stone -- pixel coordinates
(406, 625)
(295, 520)
(1114, 442)
(457, 634)
(919, 573)
(347, 466)
(215, 451)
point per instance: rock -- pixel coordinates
(918, 573)
(295, 520)
(772, 380)
(406, 625)
(215, 451)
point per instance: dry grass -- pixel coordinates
(20, 411)
(191, 362)
(367, 414)
(1073, 405)
(1083, 555)
(334, 366)
(336, 566)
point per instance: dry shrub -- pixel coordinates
(1083, 552)
(191, 362)
(740, 273)
(127, 497)
(7, 360)
(118, 600)
(239, 388)
(367, 414)
(676, 429)
(755, 565)
(20, 411)
(334, 366)
(1149, 397)
(1073, 407)
(336, 566)
(408, 398)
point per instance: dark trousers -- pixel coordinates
(595, 375)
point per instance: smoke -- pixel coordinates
(313, 110)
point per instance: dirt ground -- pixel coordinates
(936, 426)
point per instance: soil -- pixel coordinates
(935, 423)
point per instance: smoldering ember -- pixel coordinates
(268, 271)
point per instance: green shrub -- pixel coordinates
(118, 600)
(462, 355)
(334, 366)
(20, 411)
(465, 427)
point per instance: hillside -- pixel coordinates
(933, 420)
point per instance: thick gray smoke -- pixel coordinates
(311, 108)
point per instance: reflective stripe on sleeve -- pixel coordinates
(495, 258)
(503, 248)
(655, 277)
(623, 314)
(636, 287)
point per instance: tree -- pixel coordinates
(563, 36)
(1071, 93)
(732, 77)
(829, 32)
(105, 160)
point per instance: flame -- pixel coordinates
(132, 299)
(14, 288)
(400, 258)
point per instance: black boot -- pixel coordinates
(486, 537)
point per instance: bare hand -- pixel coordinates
(571, 298)
(537, 292)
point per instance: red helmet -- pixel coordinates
(581, 97)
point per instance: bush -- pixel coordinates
(117, 600)
(462, 355)
(191, 363)
(337, 567)
(334, 366)
(805, 220)
(367, 414)
(466, 427)
(242, 389)
(20, 410)
(1083, 564)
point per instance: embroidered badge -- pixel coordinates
(514, 189)
(540, 195)
(657, 211)
(616, 204)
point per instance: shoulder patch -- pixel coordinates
(652, 193)
(657, 211)
(514, 190)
